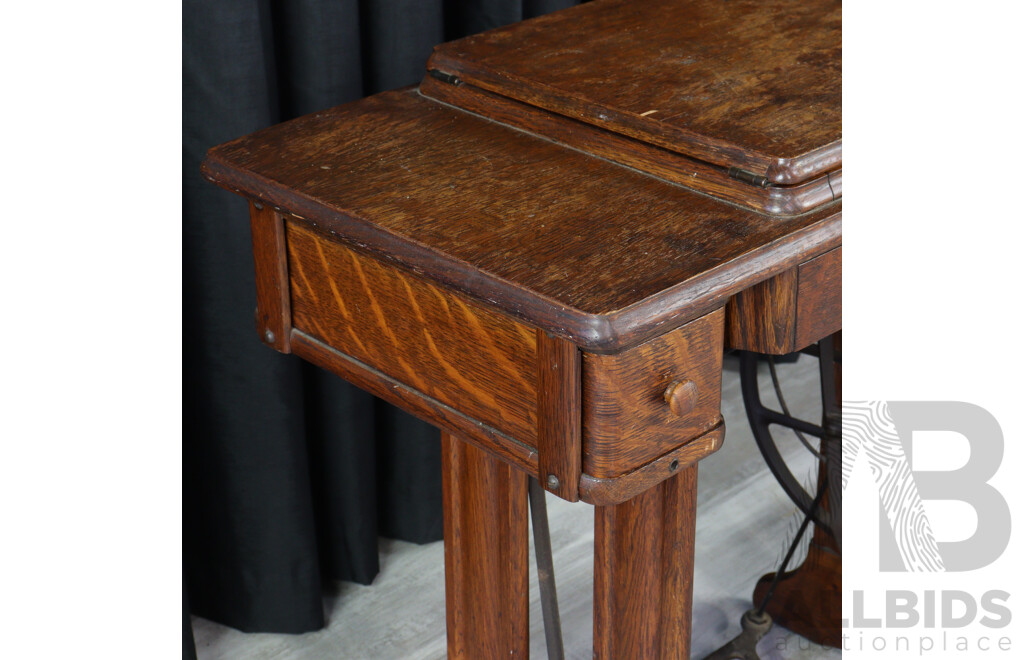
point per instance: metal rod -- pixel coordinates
(773, 417)
(792, 549)
(546, 572)
(785, 409)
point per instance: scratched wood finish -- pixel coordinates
(273, 303)
(558, 415)
(656, 161)
(475, 360)
(626, 420)
(790, 311)
(588, 250)
(605, 492)
(486, 569)
(643, 572)
(741, 83)
(835, 181)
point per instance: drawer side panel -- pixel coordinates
(477, 361)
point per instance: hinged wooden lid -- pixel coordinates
(751, 85)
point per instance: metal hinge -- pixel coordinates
(449, 78)
(749, 177)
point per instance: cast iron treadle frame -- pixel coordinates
(757, 622)
(761, 417)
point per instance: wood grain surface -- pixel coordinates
(486, 548)
(585, 249)
(605, 492)
(741, 83)
(762, 318)
(476, 360)
(820, 298)
(626, 420)
(593, 490)
(665, 164)
(273, 301)
(790, 311)
(559, 443)
(503, 447)
(643, 572)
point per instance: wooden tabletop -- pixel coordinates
(586, 249)
(738, 83)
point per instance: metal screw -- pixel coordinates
(674, 465)
(258, 205)
(552, 482)
(268, 335)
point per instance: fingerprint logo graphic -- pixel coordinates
(868, 428)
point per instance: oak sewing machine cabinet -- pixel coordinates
(544, 250)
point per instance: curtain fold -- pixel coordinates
(290, 474)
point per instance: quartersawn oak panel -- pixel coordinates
(790, 311)
(475, 360)
(431, 411)
(626, 420)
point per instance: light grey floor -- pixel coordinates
(744, 524)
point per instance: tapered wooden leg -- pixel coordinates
(643, 572)
(486, 547)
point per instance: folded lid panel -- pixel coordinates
(741, 84)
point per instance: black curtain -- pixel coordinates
(289, 473)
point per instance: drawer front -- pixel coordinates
(819, 302)
(628, 420)
(790, 311)
(477, 361)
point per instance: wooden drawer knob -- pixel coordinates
(681, 397)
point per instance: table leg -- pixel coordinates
(486, 547)
(643, 572)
